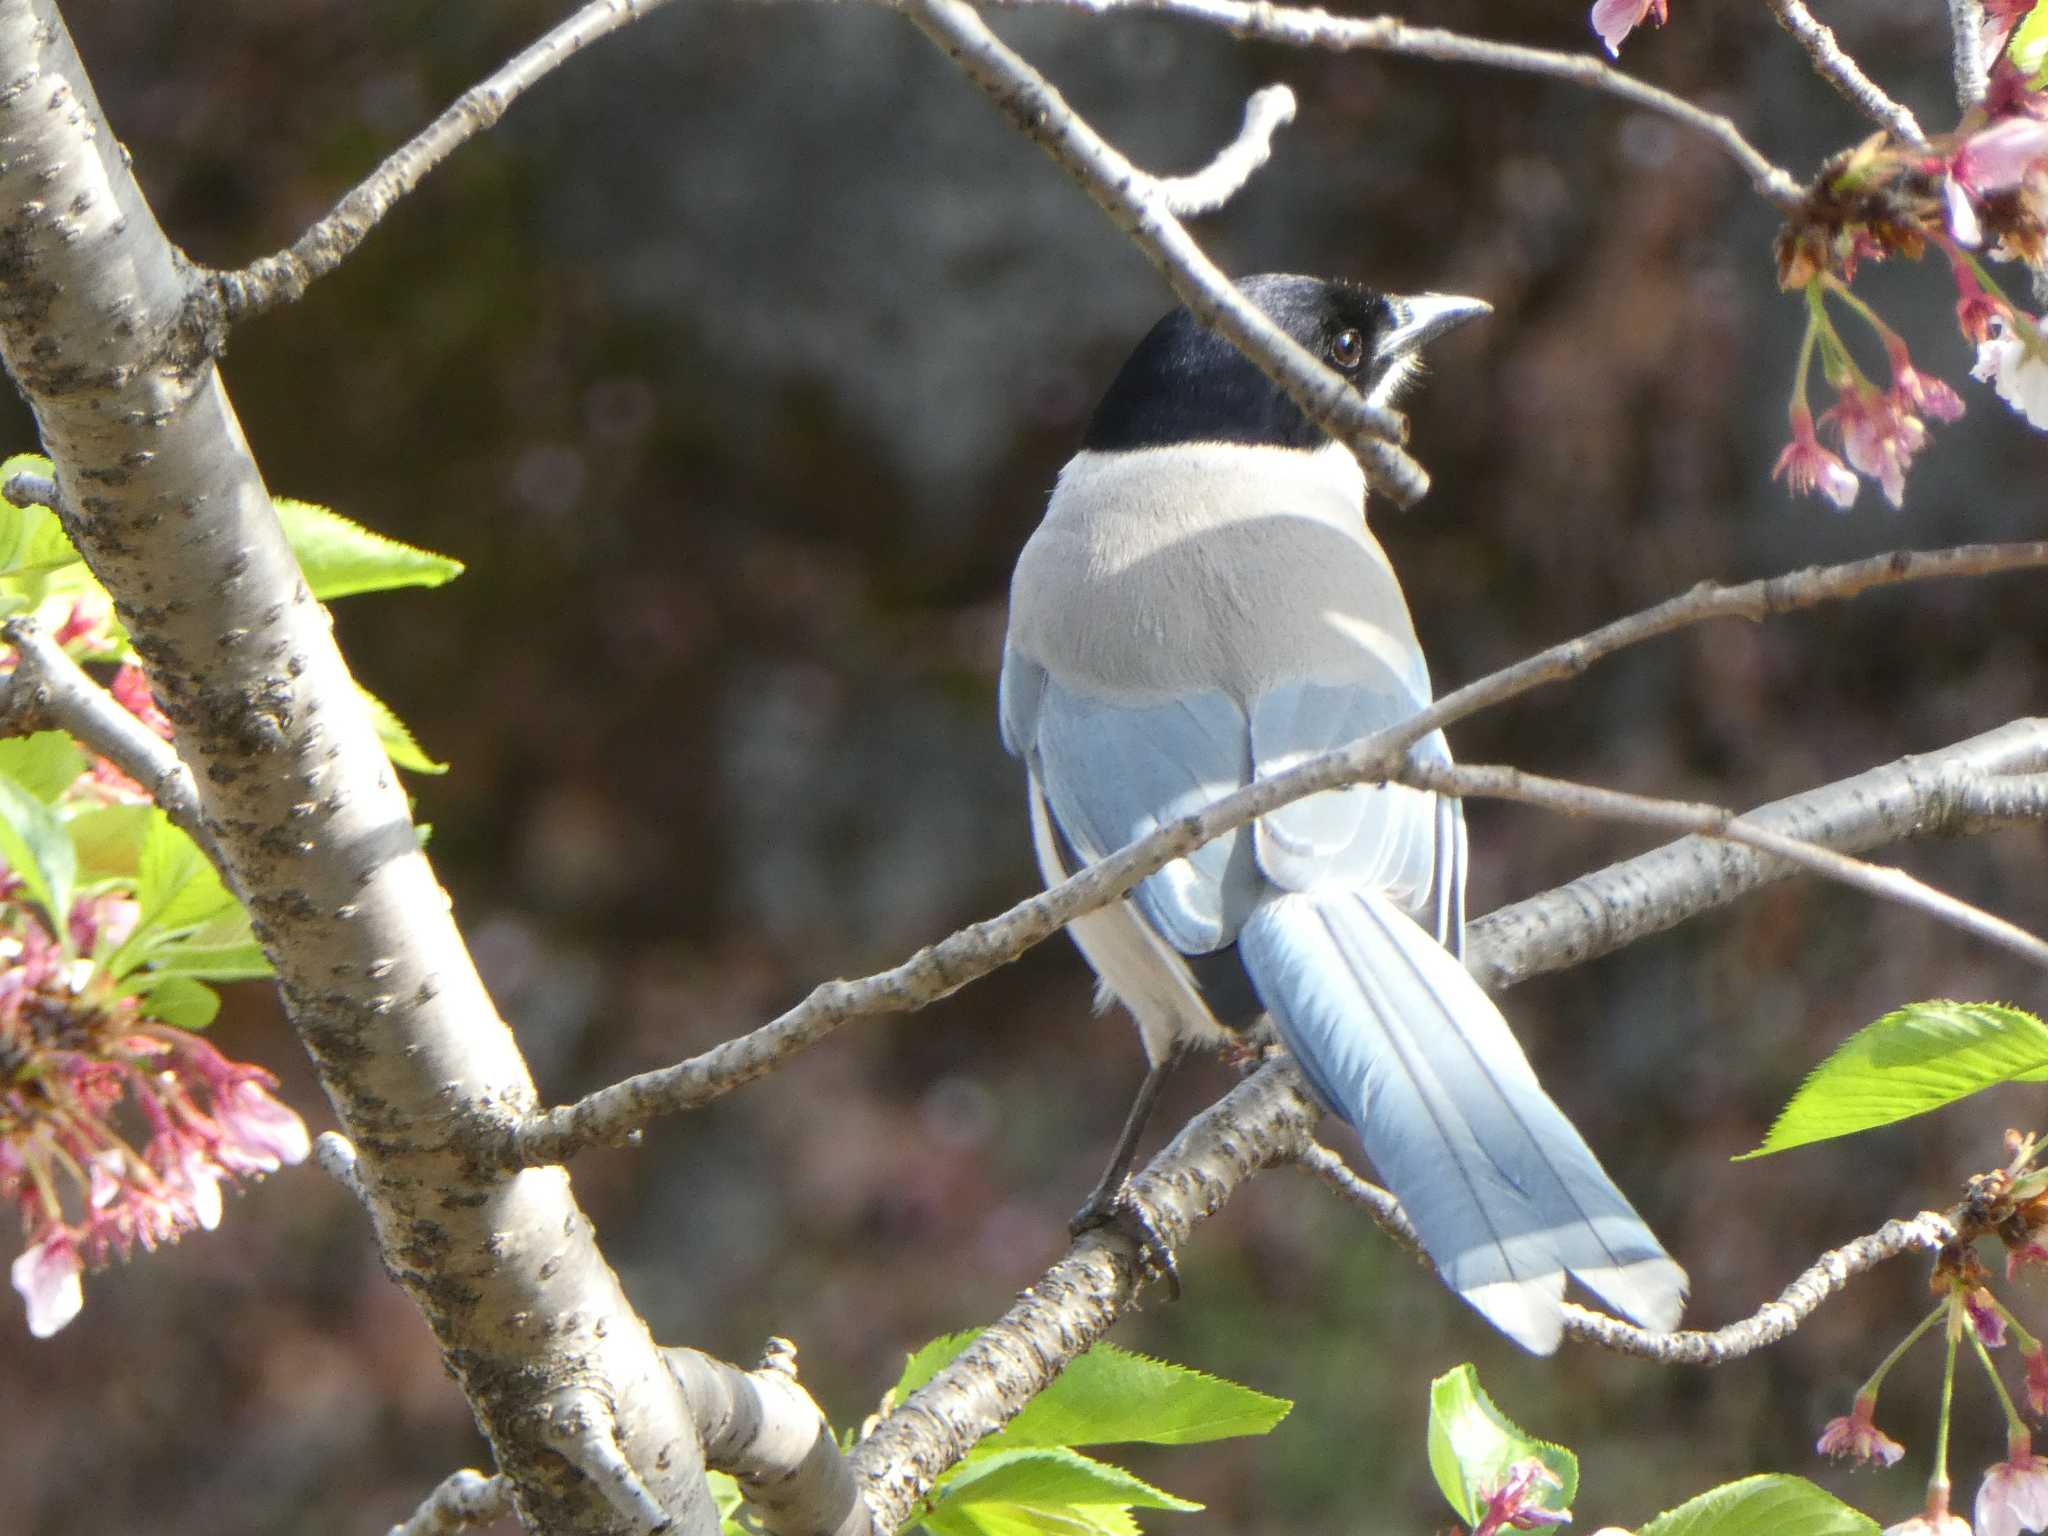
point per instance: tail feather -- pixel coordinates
(1505, 1194)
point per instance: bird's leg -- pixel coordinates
(1110, 1204)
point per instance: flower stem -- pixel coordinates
(2014, 1424)
(1938, 1485)
(1835, 362)
(2026, 1340)
(1869, 1388)
(1885, 333)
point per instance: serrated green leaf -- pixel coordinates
(181, 1001)
(2029, 46)
(341, 558)
(1909, 1062)
(399, 745)
(37, 848)
(1472, 1445)
(1047, 1476)
(1111, 1396)
(45, 764)
(1024, 1520)
(1770, 1505)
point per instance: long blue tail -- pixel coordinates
(1397, 1038)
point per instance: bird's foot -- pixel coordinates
(1116, 1208)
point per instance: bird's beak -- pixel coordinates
(1420, 318)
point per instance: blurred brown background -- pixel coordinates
(737, 363)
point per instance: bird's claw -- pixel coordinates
(1116, 1208)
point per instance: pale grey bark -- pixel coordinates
(100, 328)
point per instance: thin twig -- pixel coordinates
(1133, 200)
(285, 275)
(613, 1112)
(1208, 189)
(1948, 792)
(1929, 1232)
(464, 1499)
(1573, 799)
(1369, 1197)
(1972, 69)
(1833, 64)
(1302, 27)
(48, 690)
(581, 1427)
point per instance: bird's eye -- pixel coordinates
(1347, 349)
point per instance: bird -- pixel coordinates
(1202, 606)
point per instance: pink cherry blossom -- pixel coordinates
(2017, 372)
(1879, 436)
(1615, 19)
(1810, 469)
(2014, 1495)
(47, 1274)
(1856, 1438)
(1986, 1321)
(2036, 1362)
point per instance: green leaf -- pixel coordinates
(31, 539)
(1472, 1445)
(341, 558)
(726, 1498)
(1047, 1476)
(1769, 1505)
(182, 1001)
(1909, 1062)
(998, 1493)
(2029, 46)
(992, 1519)
(45, 764)
(1110, 1396)
(243, 961)
(175, 885)
(37, 847)
(399, 745)
(109, 839)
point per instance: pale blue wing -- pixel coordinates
(1383, 836)
(1114, 772)
(1017, 694)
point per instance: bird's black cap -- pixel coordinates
(1186, 384)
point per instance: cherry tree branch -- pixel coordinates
(49, 691)
(1776, 1319)
(611, 1113)
(464, 1499)
(1972, 68)
(763, 1428)
(1574, 799)
(1952, 790)
(1264, 1119)
(1302, 27)
(284, 276)
(1145, 210)
(1834, 65)
(105, 330)
(1269, 1119)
